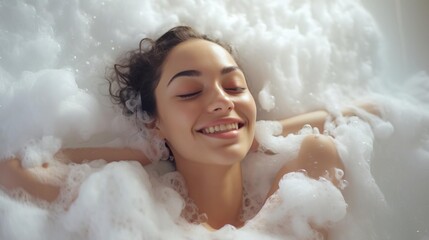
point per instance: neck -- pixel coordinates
(216, 190)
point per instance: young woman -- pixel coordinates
(195, 97)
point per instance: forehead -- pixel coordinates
(195, 54)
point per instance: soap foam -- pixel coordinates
(297, 55)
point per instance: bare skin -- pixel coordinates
(317, 155)
(201, 87)
(12, 175)
(216, 188)
(209, 162)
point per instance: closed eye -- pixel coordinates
(236, 89)
(189, 95)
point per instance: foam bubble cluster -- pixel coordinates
(297, 56)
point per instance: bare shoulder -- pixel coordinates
(317, 156)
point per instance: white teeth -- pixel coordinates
(221, 128)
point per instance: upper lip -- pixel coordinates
(222, 121)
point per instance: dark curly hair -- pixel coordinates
(140, 71)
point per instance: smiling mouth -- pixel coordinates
(221, 128)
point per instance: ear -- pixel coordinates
(155, 125)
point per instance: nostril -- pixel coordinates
(221, 104)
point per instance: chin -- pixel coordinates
(230, 158)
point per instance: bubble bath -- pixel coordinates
(298, 56)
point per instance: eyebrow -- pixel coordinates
(196, 73)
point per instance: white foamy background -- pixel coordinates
(298, 56)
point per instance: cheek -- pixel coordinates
(175, 121)
(250, 106)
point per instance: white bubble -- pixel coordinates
(298, 56)
(266, 99)
(37, 152)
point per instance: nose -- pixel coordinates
(221, 101)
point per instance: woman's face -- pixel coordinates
(205, 110)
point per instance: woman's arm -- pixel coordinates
(318, 118)
(13, 175)
(318, 153)
(294, 124)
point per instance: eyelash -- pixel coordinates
(194, 94)
(188, 95)
(236, 89)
